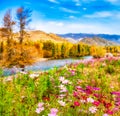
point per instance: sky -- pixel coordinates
(69, 16)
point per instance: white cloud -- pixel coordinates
(68, 10)
(103, 14)
(54, 1)
(60, 24)
(84, 8)
(60, 27)
(77, 4)
(112, 1)
(72, 17)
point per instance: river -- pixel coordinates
(44, 65)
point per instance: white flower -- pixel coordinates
(61, 86)
(8, 79)
(90, 100)
(82, 101)
(22, 97)
(33, 75)
(63, 90)
(93, 109)
(62, 103)
(23, 72)
(61, 96)
(105, 115)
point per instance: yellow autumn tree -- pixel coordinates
(97, 51)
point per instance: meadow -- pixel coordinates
(88, 88)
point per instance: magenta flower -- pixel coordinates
(110, 112)
(75, 94)
(96, 103)
(72, 72)
(96, 95)
(116, 93)
(79, 88)
(96, 88)
(76, 103)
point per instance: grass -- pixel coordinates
(88, 88)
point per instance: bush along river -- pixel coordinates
(44, 65)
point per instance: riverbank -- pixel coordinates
(41, 59)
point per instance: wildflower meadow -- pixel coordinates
(88, 88)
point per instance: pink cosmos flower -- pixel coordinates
(52, 115)
(105, 114)
(65, 82)
(38, 110)
(53, 112)
(90, 100)
(40, 107)
(40, 104)
(63, 90)
(116, 109)
(62, 103)
(61, 78)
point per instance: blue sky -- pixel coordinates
(70, 16)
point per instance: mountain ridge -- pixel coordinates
(77, 36)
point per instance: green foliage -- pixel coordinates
(110, 69)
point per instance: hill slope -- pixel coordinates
(38, 35)
(97, 41)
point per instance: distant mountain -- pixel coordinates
(98, 42)
(77, 36)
